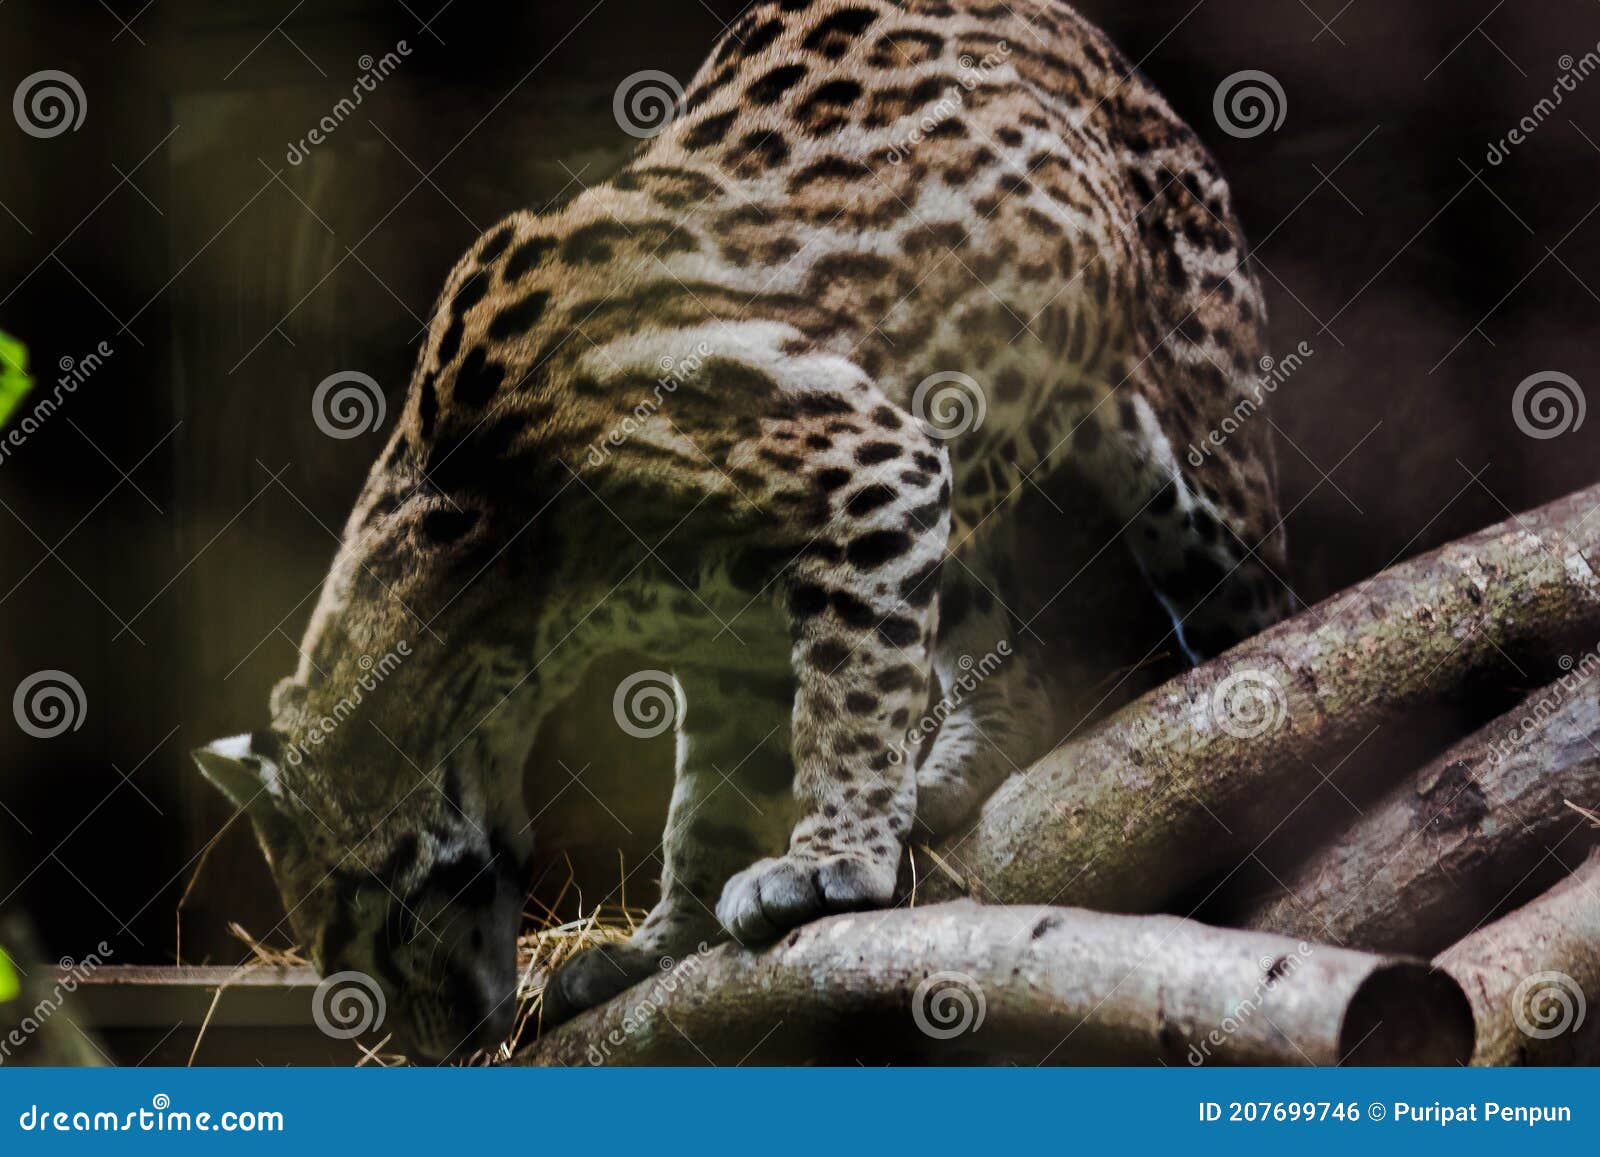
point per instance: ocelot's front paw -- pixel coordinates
(772, 896)
(594, 976)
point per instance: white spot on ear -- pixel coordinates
(237, 749)
(234, 747)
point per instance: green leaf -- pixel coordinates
(14, 380)
(10, 986)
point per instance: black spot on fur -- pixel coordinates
(496, 245)
(528, 255)
(834, 35)
(807, 600)
(868, 499)
(833, 168)
(762, 36)
(450, 342)
(871, 551)
(828, 654)
(899, 632)
(762, 149)
(860, 703)
(771, 87)
(427, 407)
(875, 452)
(710, 131)
(593, 244)
(519, 318)
(825, 108)
(850, 609)
(474, 291)
(477, 380)
(822, 405)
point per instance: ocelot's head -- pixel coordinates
(411, 918)
(385, 792)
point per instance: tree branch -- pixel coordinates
(962, 982)
(1534, 977)
(1416, 871)
(1210, 762)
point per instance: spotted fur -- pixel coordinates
(682, 416)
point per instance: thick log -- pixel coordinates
(1443, 850)
(1190, 778)
(1534, 977)
(961, 982)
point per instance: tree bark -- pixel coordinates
(1190, 778)
(961, 982)
(1534, 977)
(1425, 865)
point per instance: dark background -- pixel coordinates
(163, 536)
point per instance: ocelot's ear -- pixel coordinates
(245, 768)
(248, 777)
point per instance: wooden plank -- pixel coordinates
(137, 996)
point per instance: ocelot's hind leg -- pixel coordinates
(731, 805)
(1206, 532)
(989, 707)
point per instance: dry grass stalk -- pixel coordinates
(261, 956)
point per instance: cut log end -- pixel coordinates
(1406, 1013)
